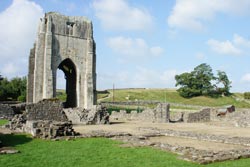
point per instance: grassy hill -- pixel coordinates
(165, 95)
(172, 96)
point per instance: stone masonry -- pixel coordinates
(160, 114)
(65, 43)
(6, 112)
(47, 109)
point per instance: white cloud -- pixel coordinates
(119, 15)
(240, 41)
(200, 56)
(18, 29)
(237, 46)
(156, 51)
(191, 14)
(224, 47)
(246, 78)
(140, 77)
(133, 47)
(10, 68)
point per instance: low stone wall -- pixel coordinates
(202, 116)
(160, 114)
(96, 115)
(47, 109)
(6, 112)
(239, 118)
(49, 129)
(48, 118)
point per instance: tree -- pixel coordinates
(188, 85)
(14, 89)
(223, 79)
(203, 76)
(199, 82)
(4, 89)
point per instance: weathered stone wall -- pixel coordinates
(49, 129)
(47, 109)
(96, 115)
(160, 114)
(61, 38)
(238, 119)
(202, 116)
(6, 112)
(30, 81)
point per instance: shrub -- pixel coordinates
(247, 95)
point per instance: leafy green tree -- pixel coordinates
(223, 79)
(14, 89)
(199, 82)
(4, 89)
(203, 76)
(188, 85)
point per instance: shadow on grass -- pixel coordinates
(11, 140)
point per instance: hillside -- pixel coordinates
(171, 96)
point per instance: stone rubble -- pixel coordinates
(48, 119)
(49, 129)
(96, 115)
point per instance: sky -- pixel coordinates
(140, 43)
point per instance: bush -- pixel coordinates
(21, 98)
(13, 89)
(247, 95)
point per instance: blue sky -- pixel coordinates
(140, 43)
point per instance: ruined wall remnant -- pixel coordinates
(96, 115)
(49, 129)
(160, 114)
(202, 116)
(48, 119)
(65, 43)
(6, 112)
(47, 109)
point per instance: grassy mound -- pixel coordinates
(172, 96)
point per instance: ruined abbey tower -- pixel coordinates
(65, 43)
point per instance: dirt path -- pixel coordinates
(136, 128)
(142, 128)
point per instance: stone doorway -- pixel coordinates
(69, 69)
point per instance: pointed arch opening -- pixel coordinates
(69, 70)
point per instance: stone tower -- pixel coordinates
(65, 43)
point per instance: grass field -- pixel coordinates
(3, 122)
(93, 152)
(166, 95)
(172, 96)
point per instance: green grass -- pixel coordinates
(167, 95)
(128, 109)
(3, 122)
(93, 152)
(172, 96)
(61, 94)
